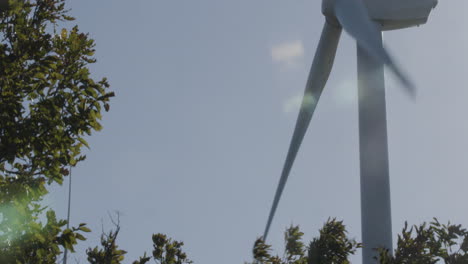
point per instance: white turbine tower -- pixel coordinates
(364, 20)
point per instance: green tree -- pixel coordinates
(109, 253)
(48, 103)
(331, 247)
(168, 251)
(165, 250)
(424, 244)
(429, 243)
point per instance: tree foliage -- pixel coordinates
(165, 250)
(168, 251)
(109, 253)
(429, 243)
(424, 244)
(48, 103)
(331, 247)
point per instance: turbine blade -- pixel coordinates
(354, 18)
(318, 76)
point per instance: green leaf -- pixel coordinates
(39, 237)
(83, 141)
(84, 229)
(80, 236)
(63, 34)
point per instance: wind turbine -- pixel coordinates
(364, 20)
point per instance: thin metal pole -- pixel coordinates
(376, 218)
(68, 213)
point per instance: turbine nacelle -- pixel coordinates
(391, 14)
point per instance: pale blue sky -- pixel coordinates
(196, 136)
